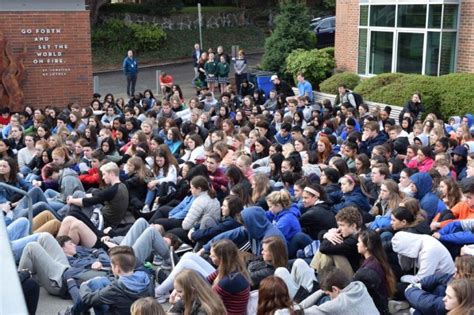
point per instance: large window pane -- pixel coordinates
(432, 53)
(364, 15)
(362, 59)
(382, 15)
(410, 53)
(448, 51)
(434, 20)
(450, 18)
(411, 16)
(381, 52)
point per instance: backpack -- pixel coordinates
(358, 98)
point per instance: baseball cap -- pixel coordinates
(274, 77)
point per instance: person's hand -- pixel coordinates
(159, 228)
(434, 226)
(365, 136)
(70, 200)
(464, 250)
(334, 238)
(107, 230)
(96, 266)
(36, 183)
(201, 252)
(190, 233)
(105, 239)
(110, 244)
(437, 235)
(174, 297)
(6, 207)
(223, 188)
(151, 185)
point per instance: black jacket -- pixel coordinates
(367, 146)
(317, 220)
(259, 270)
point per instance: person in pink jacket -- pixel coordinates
(423, 161)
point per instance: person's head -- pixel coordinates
(146, 306)
(349, 221)
(380, 172)
(273, 295)
(424, 153)
(192, 287)
(274, 251)
(459, 298)
(231, 206)
(122, 260)
(300, 77)
(349, 182)
(243, 162)
(278, 201)
(468, 192)
(60, 156)
(212, 162)
(324, 148)
(110, 172)
(329, 175)
(362, 163)
(401, 218)
(371, 129)
(198, 185)
(333, 281)
(130, 54)
(67, 245)
(225, 255)
(8, 170)
(313, 193)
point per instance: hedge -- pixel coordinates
(316, 64)
(445, 96)
(330, 85)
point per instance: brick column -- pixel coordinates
(347, 34)
(465, 62)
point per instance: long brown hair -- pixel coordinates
(396, 196)
(262, 186)
(464, 289)
(273, 295)
(11, 178)
(464, 267)
(373, 242)
(194, 288)
(229, 260)
(138, 167)
(278, 250)
(322, 156)
(454, 192)
(164, 152)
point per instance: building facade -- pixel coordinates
(432, 37)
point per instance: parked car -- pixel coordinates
(325, 30)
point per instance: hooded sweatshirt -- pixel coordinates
(423, 252)
(120, 293)
(428, 200)
(256, 228)
(353, 299)
(286, 221)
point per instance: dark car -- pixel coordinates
(325, 30)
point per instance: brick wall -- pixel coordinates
(347, 34)
(465, 61)
(58, 61)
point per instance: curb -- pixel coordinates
(163, 63)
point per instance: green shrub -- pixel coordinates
(162, 8)
(330, 85)
(445, 95)
(116, 35)
(315, 64)
(329, 50)
(291, 32)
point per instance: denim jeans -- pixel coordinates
(18, 234)
(53, 201)
(150, 196)
(95, 285)
(38, 201)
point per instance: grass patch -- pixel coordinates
(180, 44)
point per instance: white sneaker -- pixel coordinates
(396, 306)
(146, 209)
(163, 298)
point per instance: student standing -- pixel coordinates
(130, 69)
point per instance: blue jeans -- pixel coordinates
(95, 285)
(18, 234)
(150, 196)
(53, 201)
(299, 241)
(38, 201)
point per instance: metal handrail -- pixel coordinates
(28, 198)
(12, 300)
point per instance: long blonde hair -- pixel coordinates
(464, 289)
(229, 260)
(194, 287)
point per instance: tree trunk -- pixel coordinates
(94, 6)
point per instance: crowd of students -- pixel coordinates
(281, 205)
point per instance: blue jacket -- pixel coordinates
(458, 232)
(256, 228)
(354, 198)
(204, 235)
(286, 221)
(381, 222)
(367, 146)
(180, 211)
(130, 66)
(283, 140)
(429, 299)
(428, 200)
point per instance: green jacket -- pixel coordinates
(223, 69)
(211, 67)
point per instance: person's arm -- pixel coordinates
(455, 233)
(195, 213)
(95, 298)
(234, 235)
(206, 234)
(100, 197)
(172, 175)
(347, 246)
(424, 302)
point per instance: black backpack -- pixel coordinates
(358, 98)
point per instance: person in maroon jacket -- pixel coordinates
(217, 176)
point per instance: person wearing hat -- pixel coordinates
(281, 87)
(459, 161)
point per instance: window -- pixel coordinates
(324, 25)
(382, 15)
(410, 52)
(407, 36)
(411, 15)
(381, 52)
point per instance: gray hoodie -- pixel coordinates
(353, 299)
(423, 252)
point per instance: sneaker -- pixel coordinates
(161, 275)
(146, 209)
(68, 311)
(183, 249)
(155, 207)
(166, 264)
(397, 306)
(97, 219)
(162, 299)
(157, 260)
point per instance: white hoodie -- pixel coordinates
(423, 252)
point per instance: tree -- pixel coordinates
(94, 7)
(291, 32)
